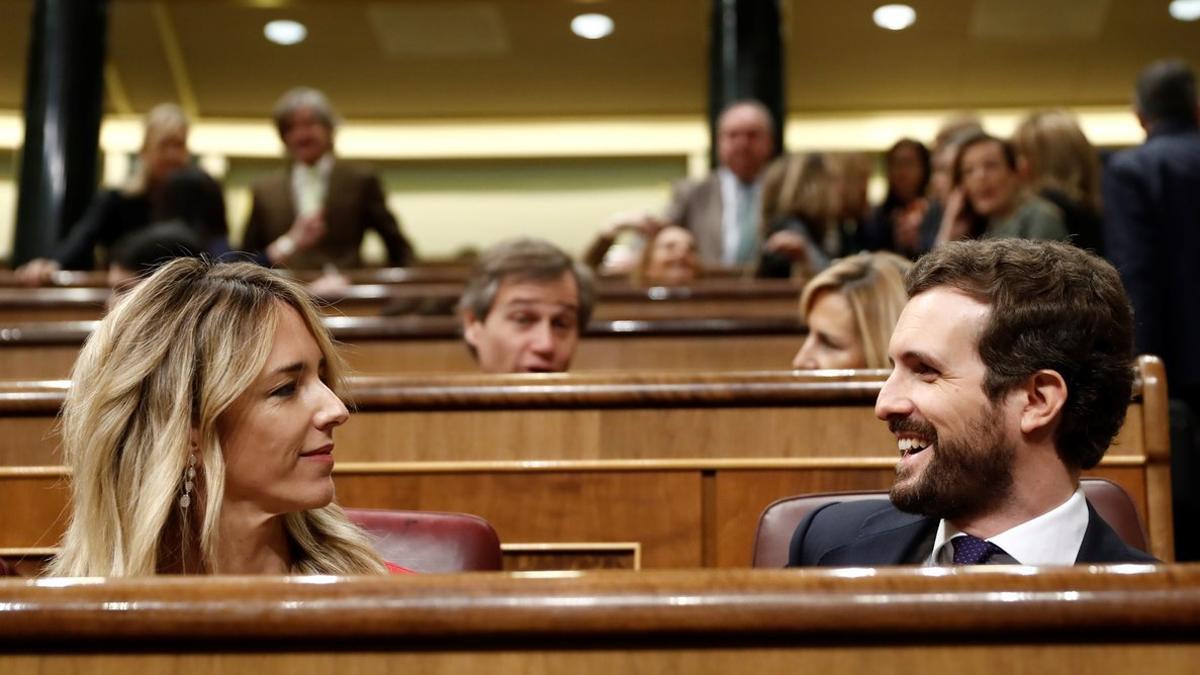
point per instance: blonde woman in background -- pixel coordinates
(1063, 167)
(800, 209)
(199, 433)
(850, 310)
(117, 213)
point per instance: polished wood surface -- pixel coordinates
(47, 350)
(1125, 619)
(730, 299)
(682, 464)
(426, 272)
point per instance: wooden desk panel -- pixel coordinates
(752, 298)
(745, 439)
(1127, 619)
(658, 509)
(399, 345)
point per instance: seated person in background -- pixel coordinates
(1063, 167)
(722, 210)
(896, 224)
(941, 174)
(138, 255)
(114, 214)
(667, 255)
(850, 310)
(989, 199)
(199, 431)
(668, 258)
(800, 206)
(315, 212)
(524, 307)
(1013, 372)
(852, 174)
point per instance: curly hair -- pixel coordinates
(1053, 307)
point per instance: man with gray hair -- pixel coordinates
(524, 307)
(722, 210)
(1152, 234)
(315, 212)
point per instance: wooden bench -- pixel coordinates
(1128, 619)
(376, 345)
(621, 470)
(730, 299)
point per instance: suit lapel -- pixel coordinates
(713, 233)
(1103, 545)
(889, 537)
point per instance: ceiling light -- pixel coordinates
(1185, 10)
(284, 32)
(895, 17)
(592, 26)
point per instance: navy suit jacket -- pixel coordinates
(873, 532)
(1152, 236)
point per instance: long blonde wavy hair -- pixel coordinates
(156, 374)
(873, 284)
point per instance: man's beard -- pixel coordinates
(965, 476)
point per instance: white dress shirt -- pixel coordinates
(1052, 538)
(309, 185)
(732, 192)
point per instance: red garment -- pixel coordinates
(396, 569)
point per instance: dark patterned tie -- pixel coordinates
(970, 550)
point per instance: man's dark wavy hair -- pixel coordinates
(1054, 307)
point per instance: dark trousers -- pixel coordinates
(1185, 483)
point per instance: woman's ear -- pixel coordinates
(194, 445)
(1045, 395)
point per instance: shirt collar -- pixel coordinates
(322, 167)
(1052, 538)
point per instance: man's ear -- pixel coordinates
(471, 328)
(1045, 394)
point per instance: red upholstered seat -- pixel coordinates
(779, 520)
(430, 542)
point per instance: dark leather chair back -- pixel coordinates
(431, 542)
(779, 520)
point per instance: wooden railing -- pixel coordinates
(1119, 619)
(729, 299)
(397, 345)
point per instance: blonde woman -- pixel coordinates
(800, 207)
(851, 309)
(130, 208)
(1063, 167)
(199, 432)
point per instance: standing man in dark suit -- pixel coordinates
(315, 212)
(1152, 234)
(723, 209)
(1012, 373)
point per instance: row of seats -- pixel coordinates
(457, 542)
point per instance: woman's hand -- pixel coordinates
(791, 245)
(305, 232)
(955, 224)
(37, 272)
(906, 225)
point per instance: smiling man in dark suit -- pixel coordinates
(1012, 373)
(315, 212)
